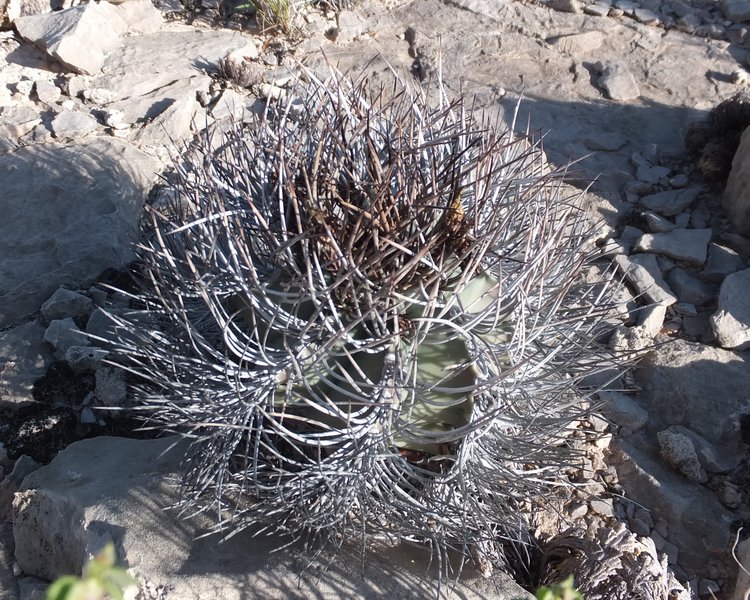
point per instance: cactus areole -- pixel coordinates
(365, 312)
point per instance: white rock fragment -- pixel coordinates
(731, 322)
(73, 124)
(46, 91)
(689, 245)
(617, 82)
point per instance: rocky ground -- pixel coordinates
(95, 98)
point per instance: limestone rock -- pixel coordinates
(71, 124)
(699, 525)
(700, 387)
(63, 334)
(120, 487)
(69, 212)
(24, 357)
(47, 529)
(623, 410)
(721, 262)
(643, 273)
(66, 303)
(617, 82)
(16, 121)
(670, 202)
(79, 37)
(689, 288)
(736, 198)
(736, 10)
(731, 322)
(689, 245)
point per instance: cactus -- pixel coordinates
(364, 309)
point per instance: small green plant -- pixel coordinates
(101, 580)
(565, 590)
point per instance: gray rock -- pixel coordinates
(736, 199)
(731, 322)
(120, 487)
(645, 16)
(617, 82)
(643, 273)
(597, 9)
(24, 358)
(24, 466)
(47, 529)
(66, 303)
(62, 334)
(64, 224)
(721, 262)
(571, 6)
(656, 223)
(111, 389)
(79, 37)
(678, 450)
(73, 124)
(699, 526)
(629, 236)
(17, 121)
(46, 91)
(623, 410)
(652, 174)
(711, 458)
(736, 10)
(670, 202)
(698, 386)
(688, 245)
(174, 120)
(85, 358)
(689, 288)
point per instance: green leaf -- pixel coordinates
(61, 588)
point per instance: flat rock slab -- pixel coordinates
(700, 526)
(121, 488)
(688, 245)
(79, 37)
(69, 212)
(700, 387)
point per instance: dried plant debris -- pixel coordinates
(611, 564)
(713, 142)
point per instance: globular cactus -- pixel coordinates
(367, 315)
